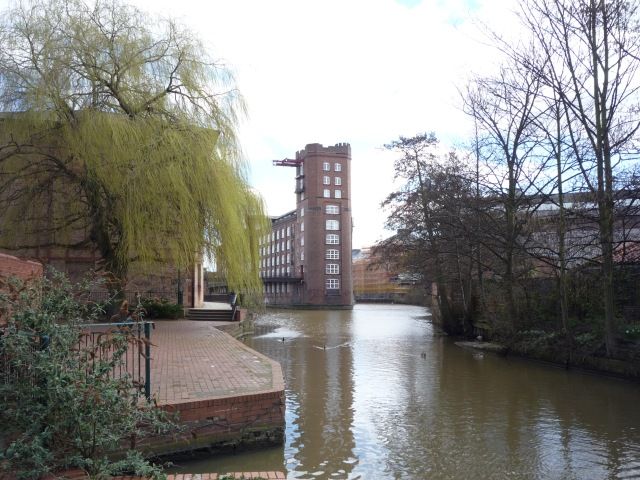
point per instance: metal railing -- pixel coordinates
(134, 361)
(96, 343)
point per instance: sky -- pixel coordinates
(357, 71)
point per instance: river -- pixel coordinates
(373, 393)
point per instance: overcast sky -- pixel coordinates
(330, 71)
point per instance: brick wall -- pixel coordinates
(14, 266)
(222, 423)
(11, 266)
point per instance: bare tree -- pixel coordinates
(591, 50)
(504, 110)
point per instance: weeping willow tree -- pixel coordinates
(119, 134)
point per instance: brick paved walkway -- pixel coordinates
(193, 361)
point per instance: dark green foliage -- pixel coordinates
(162, 308)
(62, 408)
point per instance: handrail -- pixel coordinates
(131, 368)
(132, 360)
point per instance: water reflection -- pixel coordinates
(318, 366)
(375, 394)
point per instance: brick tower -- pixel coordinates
(306, 261)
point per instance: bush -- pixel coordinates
(631, 332)
(162, 308)
(62, 408)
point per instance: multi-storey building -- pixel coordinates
(306, 259)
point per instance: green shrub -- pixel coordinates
(631, 332)
(61, 406)
(162, 308)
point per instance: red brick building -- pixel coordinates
(306, 260)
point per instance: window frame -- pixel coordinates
(331, 224)
(332, 284)
(330, 237)
(332, 254)
(331, 209)
(332, 269)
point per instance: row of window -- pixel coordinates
(276, 235)
(330, 239)
(330, 254)
(326, 180)
(275, 248)
(329, 225)
(277, 272)
(330, 269)
(328, 209)
(277, 260)
(326, 193)
(326, 166)
(283, 233)
(330, 284)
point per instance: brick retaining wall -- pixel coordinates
(221, 424)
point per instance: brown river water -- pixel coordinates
(364, 402)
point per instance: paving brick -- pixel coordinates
(194, 361)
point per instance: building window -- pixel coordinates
(333, 283)
(337, 167)
(302, 240)
(332, 239)
(288, 231)
(332, 209)
(302, 226)
(332, 225)
(302, 256)
(302, 211)
(326, 193)
(326, 167)
(326, 180)
(337, 194)
(288, 258)
(332, 269)
(333, 254)
(337, 181)
(288, 244)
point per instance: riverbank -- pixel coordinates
(225, 395)
(552, 354)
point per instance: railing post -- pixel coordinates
(147, 360)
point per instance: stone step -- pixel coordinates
(210, 315)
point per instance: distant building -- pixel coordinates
(306, 260)
(376, 280)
